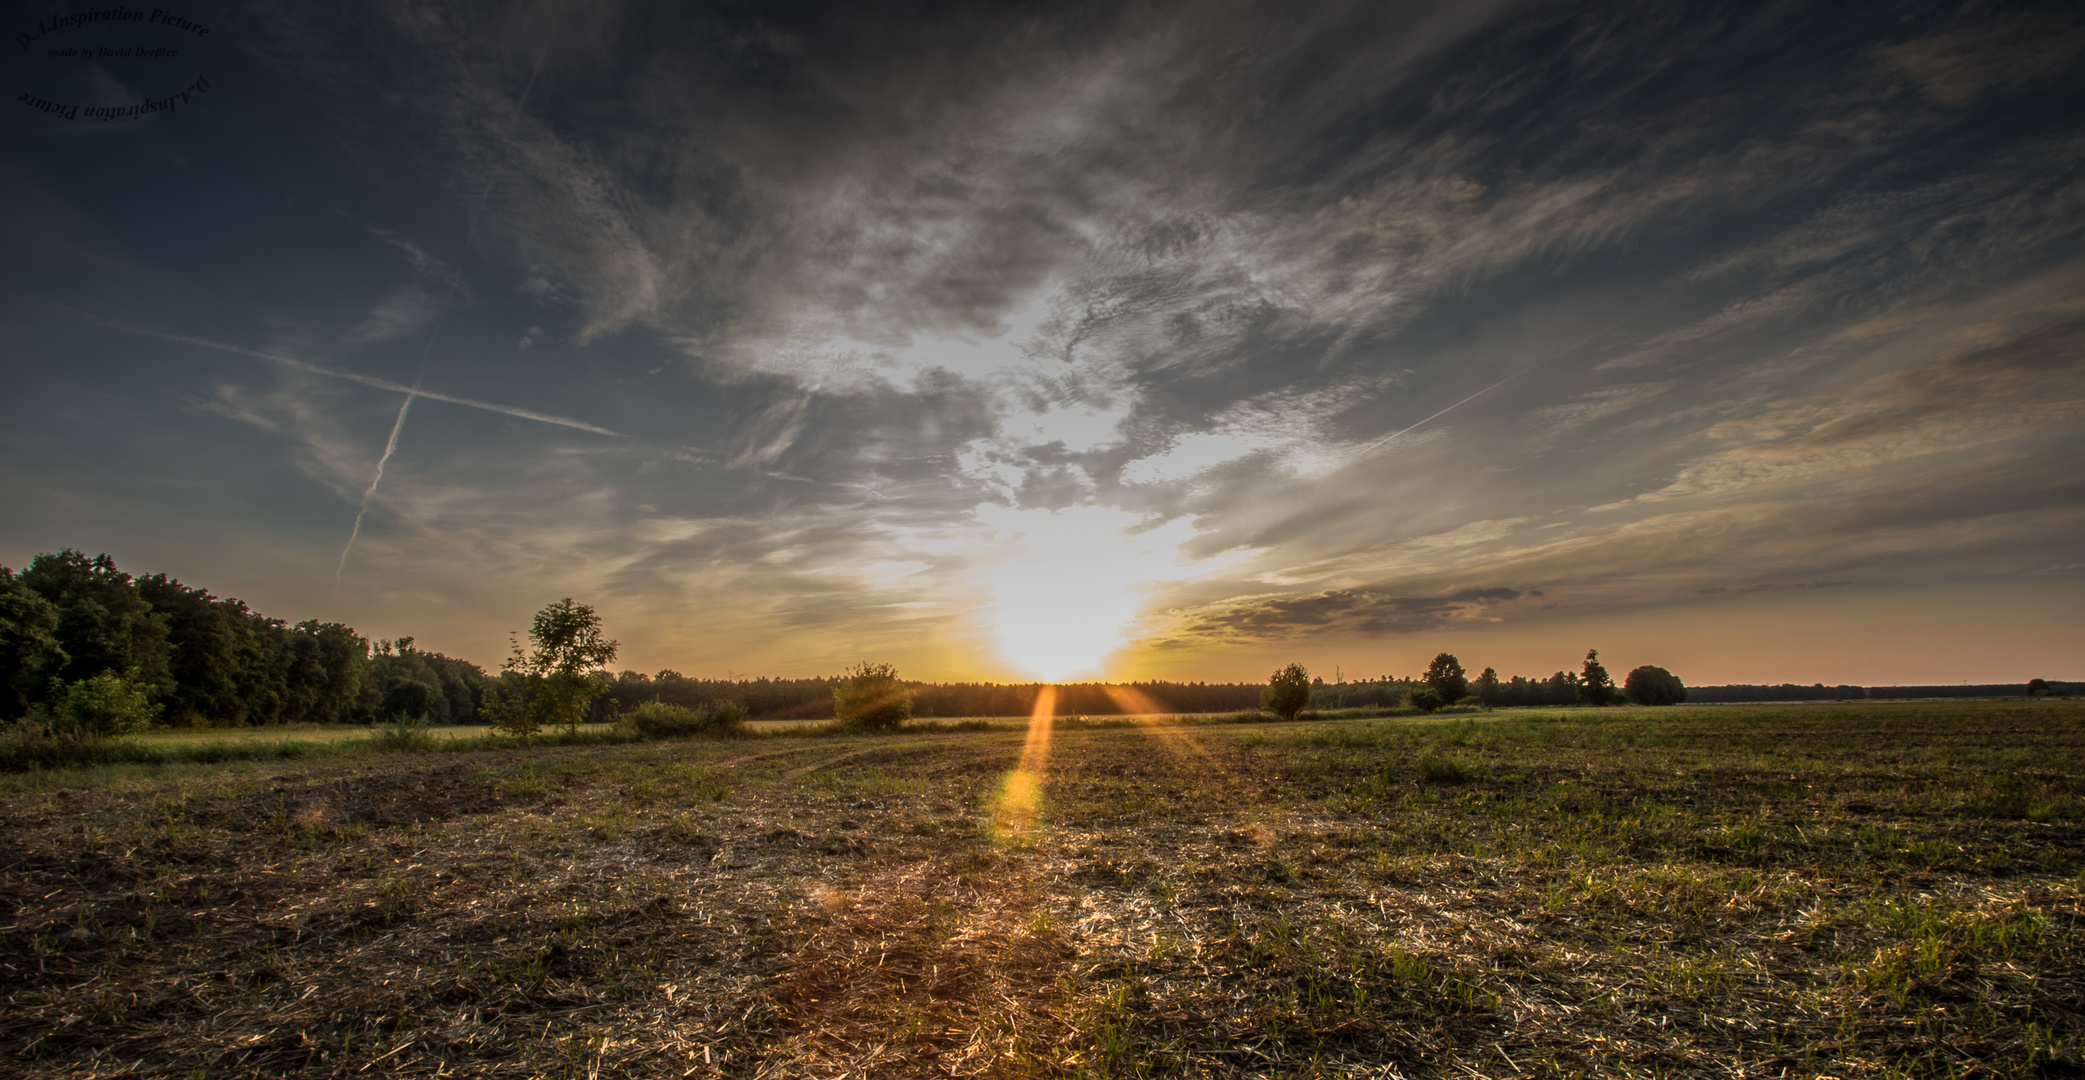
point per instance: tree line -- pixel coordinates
(812, 698)
(74, 628)
(68, 621)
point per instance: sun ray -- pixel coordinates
(1161, 723)
(1015, 807)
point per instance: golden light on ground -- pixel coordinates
(1161, 723)
(1066, 602)
(1018, 802)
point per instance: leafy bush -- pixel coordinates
(100, 705)
(655, 720)
(872, 698)
(1425, 699)
(74, 721)
(1648, 685)
(1287, 692)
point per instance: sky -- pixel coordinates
(1015, 341)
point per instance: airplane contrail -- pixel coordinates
(455, 281)
(390, 447)
(368, 380)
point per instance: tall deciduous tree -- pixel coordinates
(103, 624)
(1486, 687)
(29, 649)
(1447, 678)
(327, 663)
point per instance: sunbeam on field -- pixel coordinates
(1064, 603)
(1019, 797)
(1158, 721)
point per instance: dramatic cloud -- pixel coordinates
(1345, 611)
(799, 335)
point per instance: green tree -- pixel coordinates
(552, 680)
(1650, 685)
(1287, 692)
(870, 696)
(103, 624)
(1486, 687)
(328, 663)
(1446, 677)
(29, 649)
(1595, 685)
(222, 664)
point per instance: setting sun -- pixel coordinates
(1065, 603)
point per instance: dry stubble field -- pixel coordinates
(1815, 890)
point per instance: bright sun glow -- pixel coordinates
(1066, 601)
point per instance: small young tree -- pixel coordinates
(1447, 678)
(871, 697)
(1595, 685)
(1649, 685)
(553, 680)
(1287, 692)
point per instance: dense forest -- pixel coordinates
(208, 661)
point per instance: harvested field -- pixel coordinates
(1813, 890)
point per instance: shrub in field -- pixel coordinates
(405, 734)
(100, 705)
(71, 725)
(717, 719)
(871, 697)
(1287, 692)
(1650, 685)
(1425, 699)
